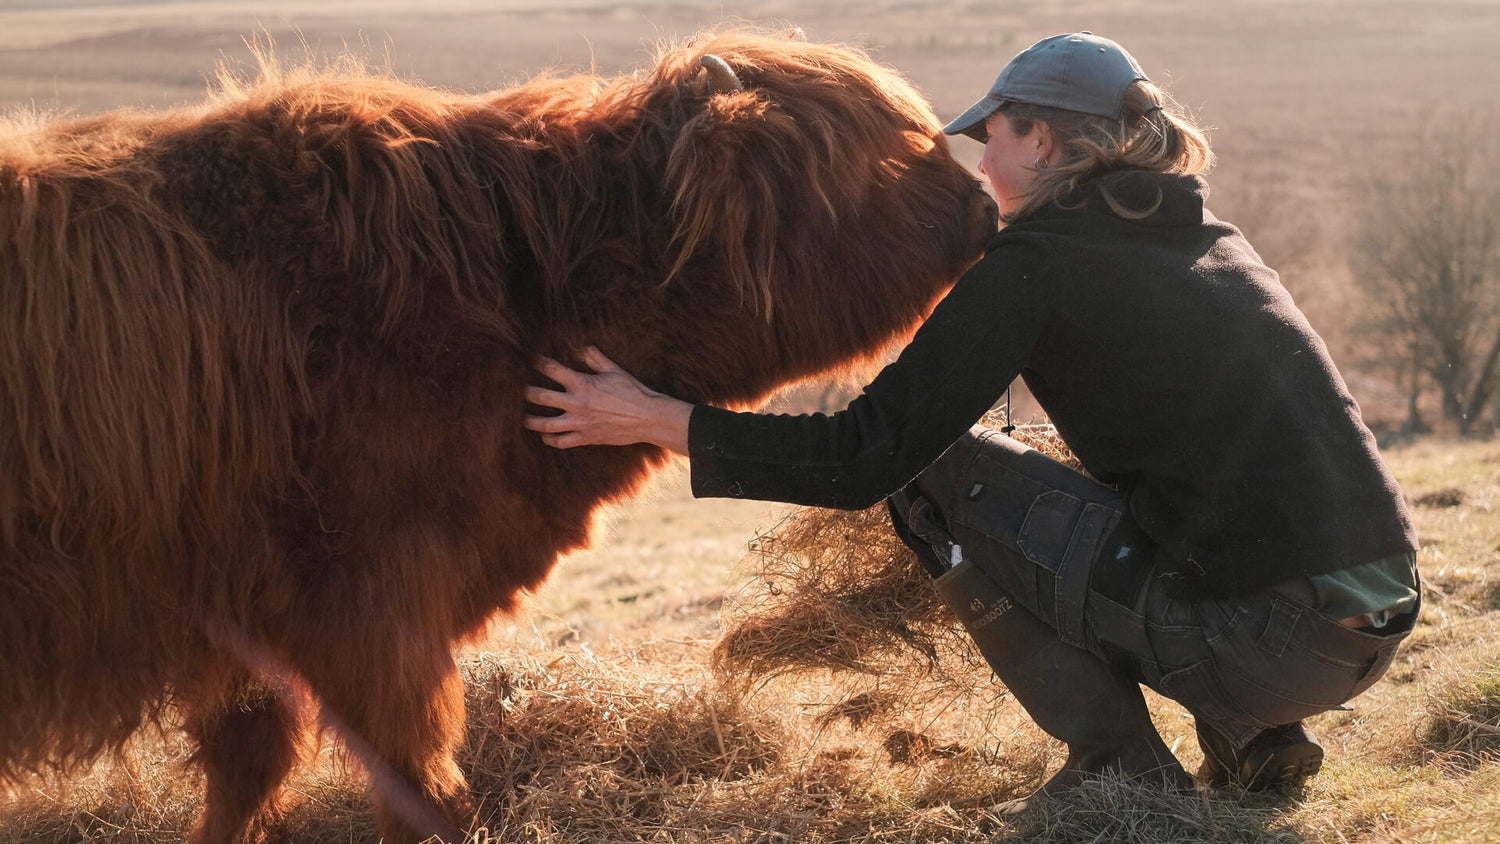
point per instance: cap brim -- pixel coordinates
(971, 122)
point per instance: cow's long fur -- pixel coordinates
(262, 361)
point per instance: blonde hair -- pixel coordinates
(1155, 134)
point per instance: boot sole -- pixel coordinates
(1283, 764)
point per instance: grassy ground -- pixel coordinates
(595, 717)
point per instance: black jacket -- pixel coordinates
(1169, 358)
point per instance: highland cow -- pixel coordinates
(262, 365)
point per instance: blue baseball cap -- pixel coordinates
(1079, 71)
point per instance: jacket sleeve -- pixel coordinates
(955, 368)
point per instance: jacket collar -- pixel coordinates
(1176, 200)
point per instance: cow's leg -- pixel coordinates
(247, 743)
(399, 708)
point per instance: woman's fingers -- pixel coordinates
(558, 430)
(571, 380)
(598, 362)
(568, 378)
(565, 439)
(549, 398)
(548, 424)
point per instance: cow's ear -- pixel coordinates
(725, 188)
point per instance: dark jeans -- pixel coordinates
(1063, 546)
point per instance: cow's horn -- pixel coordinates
(721, 74)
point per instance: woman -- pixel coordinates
(1244, 550)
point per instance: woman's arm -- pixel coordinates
(954, 369)
(607, 407)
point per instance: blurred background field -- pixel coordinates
(1316, 106)
(595, 715)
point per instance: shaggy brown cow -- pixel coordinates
(262, 366)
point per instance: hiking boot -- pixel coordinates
(1285, 755)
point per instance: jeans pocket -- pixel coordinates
(1291, 664)
(1360, 656)
(1048, 529)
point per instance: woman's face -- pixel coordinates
(1010, 161)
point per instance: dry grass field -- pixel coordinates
(595, 714)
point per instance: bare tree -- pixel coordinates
(1428, 252)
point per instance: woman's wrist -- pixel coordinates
(669, 423)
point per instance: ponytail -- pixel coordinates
(1155, 134)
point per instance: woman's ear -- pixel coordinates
(1041, 136)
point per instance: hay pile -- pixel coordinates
(581, 747)
(585, 747)
(837, 591)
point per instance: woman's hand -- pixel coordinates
(607, 407)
